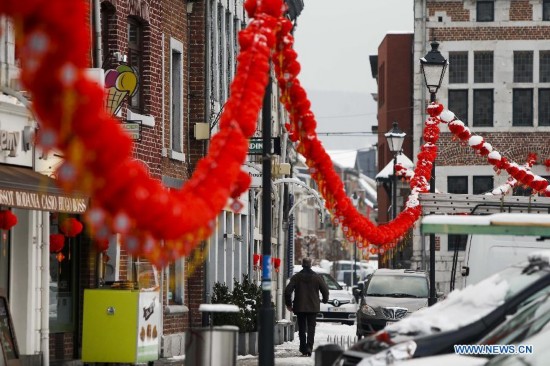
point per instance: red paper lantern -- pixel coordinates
(7, 219)
(71, 227)
(277, 264)
(57, 242)
(101, 244)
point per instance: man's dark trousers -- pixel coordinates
(306, 325)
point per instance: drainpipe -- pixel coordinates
(97, 34)
(45, 288)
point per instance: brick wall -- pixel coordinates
(454, 9)
(521, 10)
(456, 153)
(490, 33)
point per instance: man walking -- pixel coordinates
(306, 286)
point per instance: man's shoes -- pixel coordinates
(307, 351)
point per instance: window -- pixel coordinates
(175, 282)
(221, 55)
(546, 10)
(544, 66)
(457, 184)
(522, 107)
(523, 66)
(485, 11)
(483, 67)
(458, 103)
(176, 99)
(544, 107)
(458, 67)
(483, 108)
(482, 184)
(135, 59)
(457, 242)
(520, 190)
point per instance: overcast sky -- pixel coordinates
(334, 40)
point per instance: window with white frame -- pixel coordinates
(176, 100)
(485, 11)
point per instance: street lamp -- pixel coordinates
(395, 138)
(433, 67)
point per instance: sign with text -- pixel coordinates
(255, 146)
(42, 201)
(133, 128)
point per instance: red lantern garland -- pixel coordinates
(57, 242)
(71, 227)
(276, 263)
(257, 262)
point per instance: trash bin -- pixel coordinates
(212, 346)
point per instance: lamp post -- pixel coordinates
(433, 67)
(355, 202)
(395, 138)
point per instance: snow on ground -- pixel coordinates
(288, 353)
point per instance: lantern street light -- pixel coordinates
(395, 138)
(433, 67)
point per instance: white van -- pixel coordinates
(488, 254)
(495, 241)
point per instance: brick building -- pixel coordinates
(497, 83)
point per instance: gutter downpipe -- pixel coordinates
(281, 237)
(45, 289)
(97, 34)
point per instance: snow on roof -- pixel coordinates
(343, 158)
(519, 219)
(461, 307)
(364, 183)
(388, 169)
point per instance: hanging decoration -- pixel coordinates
(73, 118)
(257, 261)
(57, 242)
(71, 227)
(276, 263)
(7, 221)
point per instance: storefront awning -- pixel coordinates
(25, 188)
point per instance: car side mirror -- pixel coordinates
(356, 293)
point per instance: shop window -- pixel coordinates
(485, 11)
(176, 275)
(63, 284)
(482, 184)
(523, 66)
(544, 107)
(483, 108)
(458, 103)
(458, 67)
(135, 59)
(522, 107)
(483, 67)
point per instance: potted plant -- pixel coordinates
(248, 297)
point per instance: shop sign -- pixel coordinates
(133, 128)
(42, 201)
(11, 140)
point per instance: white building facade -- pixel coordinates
(497, 83)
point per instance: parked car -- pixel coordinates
(464, 317)
(341, 306)
(389, 295)
(521, 329)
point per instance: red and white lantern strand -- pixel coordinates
(521, 174)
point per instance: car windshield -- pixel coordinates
(331, 282)
(540, 353)
(398, 286)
